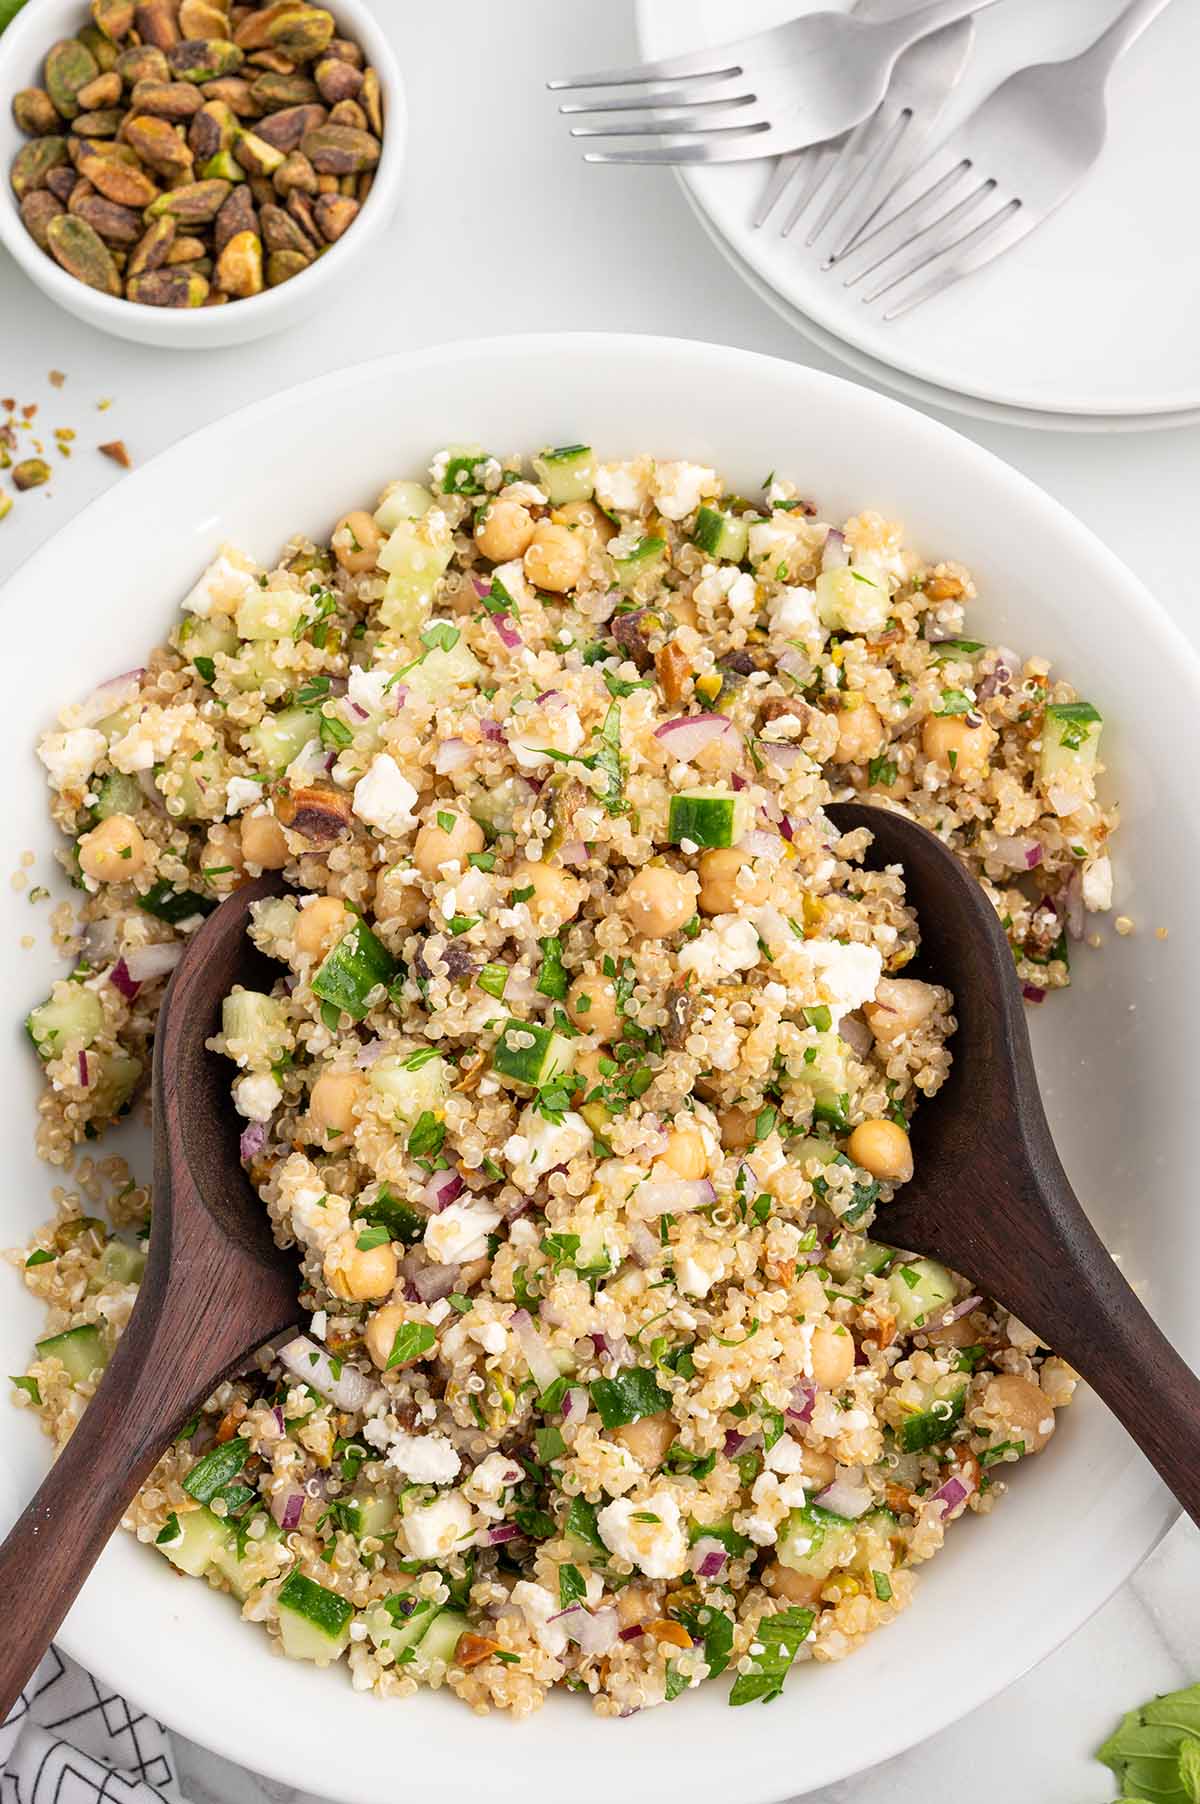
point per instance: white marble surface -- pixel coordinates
(505, 230)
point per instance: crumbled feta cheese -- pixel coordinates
(71, 757)
(151, 738)
(368, 689)
(1097, 884)
(843, 976)
(241, 792)
(492, 1336)
(679, 488)
(320, 1324)
(621, 488)
(514, 582)
(426, 1459)
(775, 542)
(647, 1533)
(793, 612)
(434, 1529)
(698, 1271)
(729, 945)
(558, 728)
(257, 1096)
(223, 585)
(546, 1144)
(460, 1232)
(538, 1605)
(384, 798)
(786, 1456)
(492, 1477)
(318, 1216)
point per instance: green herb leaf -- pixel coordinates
(412, 1339)
(30, 1387)
(441, 636)
(714, 1630)
(1146, 1752)
(883, 1586)
(216, 1469)
(169, 1532)
(552, 979)
(581, 1527)
(427, 1136)
(571, 1586)
(40, 1257)
(674, 1682)
(779, 1638)
(627, 1397)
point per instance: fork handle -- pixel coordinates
(1125, 29)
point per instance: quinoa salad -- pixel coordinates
(585, 1081)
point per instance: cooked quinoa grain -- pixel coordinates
(585, 1081)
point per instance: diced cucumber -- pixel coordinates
(461, 475)
(278, 738)
(722, 535)
(1070, 739)
(313, 1622)
(921, 1289)
(409, 1091)
(71, 1016)
(390, 1627)
(116, 794)
(568, 474)
(814, 1540)
(440, 671)
(826, 1074)
(530, 1066)
(257, 1561)
(199, 791)
(254, 666)
(415, 556)
(868, 1260)
(122, 1264)
(853, 599)
(199, 1538)
(201, 640)
(648, 558)
(256, 1027)
(80, 1350)
(113, 1078)
(372, 1513)
(402, 501)
(930, 1426)
(271, 613)
(349, 973)
(592, 1256)
(707, 817)
(495, 809)
(166, 903)
(440, 1640)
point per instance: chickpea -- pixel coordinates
(648, 1439)
(504, 531)
(949, 742)
(331, 1103)
(682, 610)
(380, 1335)
(555, 558)
(899, 1006)
(634, 1606)
(955, 1334)
(882, 1148)
(587, 517)
(686, 1153)
(356, 1275)
(832, 1356)
(398, 900)
(729, 876)
(114, 851)
(437, 845)
(860, 734)
(356, 541)
(556, 894)
(263, 843)
(586, 1073)
(818, 1467)
(1022, 1407)
(592, 1006)
(737, 1129)
(321, 925)
(797, 1587)
(660, 901)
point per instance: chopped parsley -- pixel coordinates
(412, 1340)
(778, 1640)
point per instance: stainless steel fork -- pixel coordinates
(860, 170)
(1012, 164)
(777, 91)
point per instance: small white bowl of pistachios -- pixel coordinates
(197, 172)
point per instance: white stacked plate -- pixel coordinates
(1091, 324)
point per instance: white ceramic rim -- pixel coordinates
(199, 327)
(911, 376)
(755, 1766)
(915, 388)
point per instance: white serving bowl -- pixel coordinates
(22, 52)
(1114, 1054)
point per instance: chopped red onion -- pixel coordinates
(441, 1190)
(804, 1397)
(688, 734)
(481, 587)
(1015, 851)
(759, 843)
(785, 827)
(708, 1557)
(146, 963)
(781, 753)
(121, 980)
(350, 1389)
(506, 632)
(595, 1632)
(631, 1634)
(739, 783)
(1032, 992)
(491, 729)
(952, 1495)
(277, 1412)
(433, 1282)
(110, 697)
(574, 853)
(369, 1052)
(835, 554)
(286, 1508)
(360, 711)
(452, 755)
(646, 1249)
(574, 1403)
(849, 1495)
(538, 1357)
(953, 1315)
(734, 1442)
(83, 1069)
(254, 1138)
(857, 1035)
(497, 1535)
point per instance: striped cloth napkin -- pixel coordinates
(70, 1740)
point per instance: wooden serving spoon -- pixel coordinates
(216, 1287)
(989, 1196)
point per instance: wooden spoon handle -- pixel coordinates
(139, 1405)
